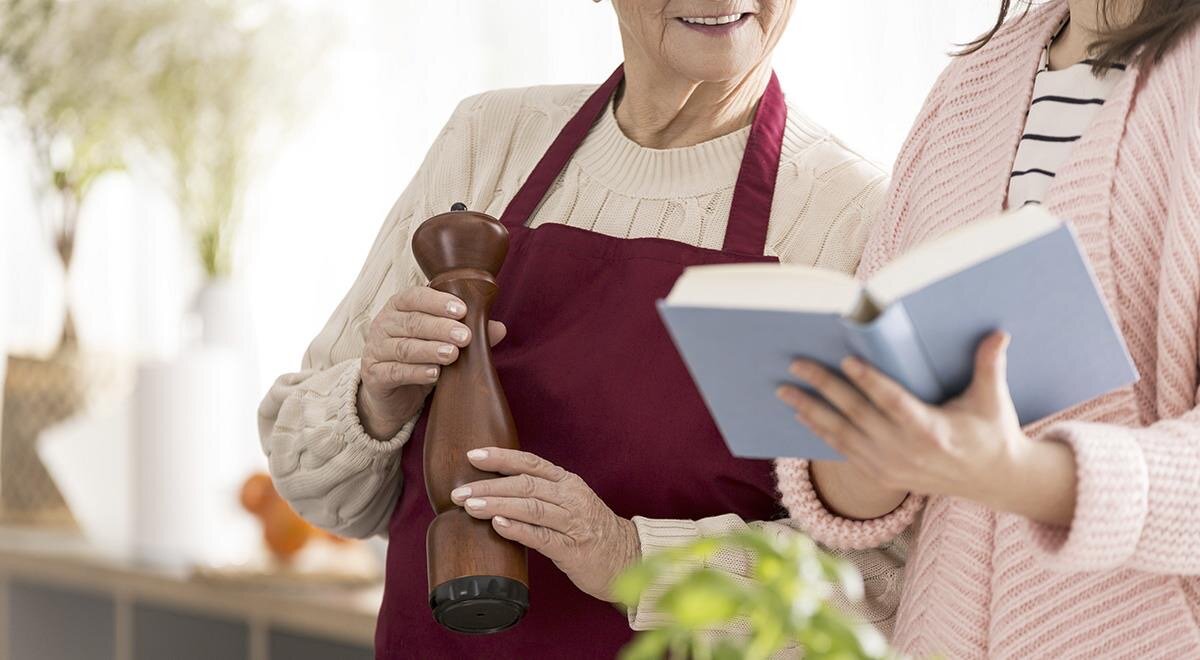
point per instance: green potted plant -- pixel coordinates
(783, 605)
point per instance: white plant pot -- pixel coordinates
(195, 440)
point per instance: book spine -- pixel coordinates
(890, 343)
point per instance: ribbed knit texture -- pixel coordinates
(1122, 581)
(341, 479)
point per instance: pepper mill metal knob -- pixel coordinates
(478, 580)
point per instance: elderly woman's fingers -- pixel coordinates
(525, 509)
(429, 301)
(521, 485)
(550, 543)
(390, 375)
(848, 401)
(413, 351)
(419, 325)
(513, 462)
(496, 332)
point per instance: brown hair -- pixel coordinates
(1157, 28)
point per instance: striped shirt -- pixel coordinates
(1065, 102)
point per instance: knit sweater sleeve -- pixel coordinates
(321, 459)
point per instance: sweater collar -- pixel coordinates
(626, 167)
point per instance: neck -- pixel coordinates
(1088, 22)
(659, 111)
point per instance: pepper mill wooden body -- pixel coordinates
(478, 580)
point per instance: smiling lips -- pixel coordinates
(713, 20)
(713, 24)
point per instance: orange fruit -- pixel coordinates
(258, 493)
(285, 532)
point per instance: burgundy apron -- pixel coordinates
(596, 386)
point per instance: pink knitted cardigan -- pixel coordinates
(1124, 579)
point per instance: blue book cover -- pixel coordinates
(919, 320)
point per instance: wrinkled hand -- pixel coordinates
(547, 509)
(417, 332)
(971, 447)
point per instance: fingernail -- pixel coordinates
(459, 334)
(799, 369)
(460, 493)
(852, 366)
(445, 350)
(476, 503)
(477, 454)
(455, 308)
(432, 372)
(501, 521)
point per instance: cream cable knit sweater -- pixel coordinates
(1124, 580)
(336, 476)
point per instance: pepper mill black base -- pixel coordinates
(479, 604)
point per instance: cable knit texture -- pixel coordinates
(1122, 581)
(339, 478)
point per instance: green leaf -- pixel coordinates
(632, 583)
(784, 601)
(650, 645)
(704, 599)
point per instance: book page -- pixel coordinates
(767, 287)
(958, 250)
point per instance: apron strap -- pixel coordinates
(750, 213)
(555, 160)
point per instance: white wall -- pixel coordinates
(399, 69)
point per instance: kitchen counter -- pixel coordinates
(58, 571)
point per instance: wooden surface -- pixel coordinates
(461, 253)
(65, 560)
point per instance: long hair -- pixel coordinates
(1157, 28)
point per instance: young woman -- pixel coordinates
(1078, 536)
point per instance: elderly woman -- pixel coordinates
(688, 155)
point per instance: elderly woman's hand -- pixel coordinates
(415, 334)
(545, 508)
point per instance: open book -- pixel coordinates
(919, 320)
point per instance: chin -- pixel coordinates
(703, 67)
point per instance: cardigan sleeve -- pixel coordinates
(1137, 501)
(800, 496)
(321, 459)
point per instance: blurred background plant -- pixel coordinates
(785, 604)
(68, 69)
(193, 95)
(192, 85)
(221, 90)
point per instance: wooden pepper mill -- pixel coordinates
(478, 580)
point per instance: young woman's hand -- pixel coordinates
(415, 334)
(971, 447)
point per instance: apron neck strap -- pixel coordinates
(555, 160)
(750, 212)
